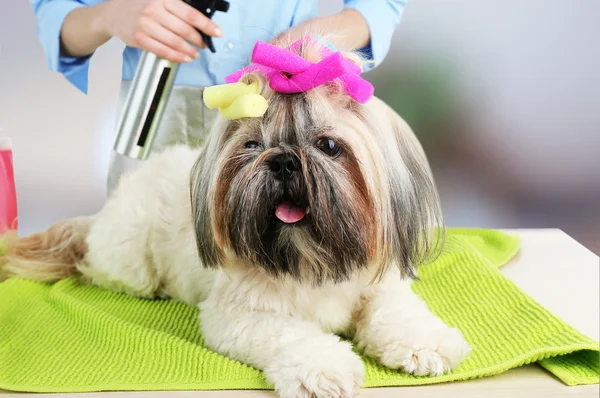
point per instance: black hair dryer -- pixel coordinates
(149, 93)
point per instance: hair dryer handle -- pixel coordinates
(208, 9)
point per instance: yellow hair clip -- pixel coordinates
(236, 100)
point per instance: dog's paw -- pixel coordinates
(336, 372)
(430, 353)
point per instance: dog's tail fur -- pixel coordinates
(46, 256)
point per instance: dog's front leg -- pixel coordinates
(296, 356)
(395, 327)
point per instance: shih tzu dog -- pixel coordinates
(287, 230)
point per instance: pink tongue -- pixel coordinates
(288, 213)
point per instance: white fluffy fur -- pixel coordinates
(142, 243)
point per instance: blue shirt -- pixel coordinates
(243, 25)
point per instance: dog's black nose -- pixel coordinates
(283, 166)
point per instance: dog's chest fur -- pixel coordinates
(329, 306)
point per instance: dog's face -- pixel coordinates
(317, 189)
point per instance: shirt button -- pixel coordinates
(228, 46)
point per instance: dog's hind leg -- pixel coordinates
(119, 256)
(106, 255)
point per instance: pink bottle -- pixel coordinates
(8, 192)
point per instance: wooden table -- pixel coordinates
(570, 290)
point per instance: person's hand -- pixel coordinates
(163, 27)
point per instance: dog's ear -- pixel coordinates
(414, 227)
(202, 197)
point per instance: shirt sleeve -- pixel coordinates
(383, 17)
(304, 10)
(49, 17)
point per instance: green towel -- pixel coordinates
(71, 338)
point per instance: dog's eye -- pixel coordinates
(329, 147)
(253, 145)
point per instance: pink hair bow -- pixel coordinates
(290, 73)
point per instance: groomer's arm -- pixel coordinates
(71, 30)
(163, 27)
(49, 18)
(365, 25)
(382, 18)
(348, 29)
(82, 31)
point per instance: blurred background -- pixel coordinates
(504, 96)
